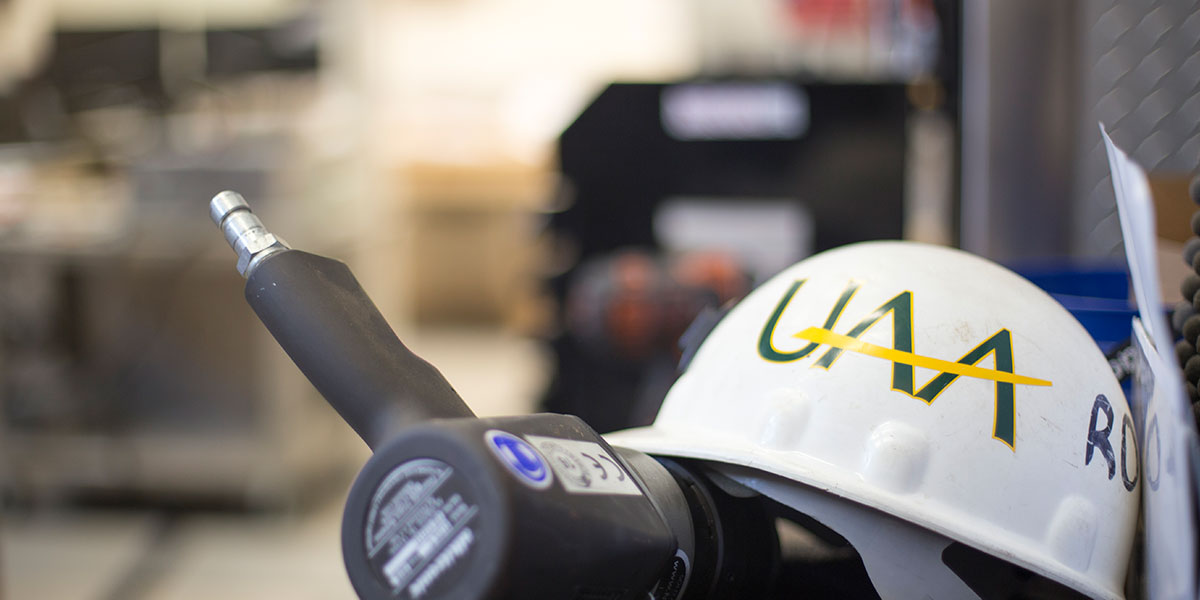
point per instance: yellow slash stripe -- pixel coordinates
(829, 338)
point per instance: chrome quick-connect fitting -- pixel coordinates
(244, 231)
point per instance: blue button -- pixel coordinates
(520, 457)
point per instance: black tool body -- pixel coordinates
(519, 507)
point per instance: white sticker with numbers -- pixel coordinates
(585, 467)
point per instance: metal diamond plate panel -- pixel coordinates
(1141, 78)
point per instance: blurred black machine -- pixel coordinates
(680, 196)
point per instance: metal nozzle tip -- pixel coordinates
(243, 230)
(224, 203)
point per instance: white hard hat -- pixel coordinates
(932, 386)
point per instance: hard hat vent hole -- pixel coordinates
(997, 579)
(896, 456)
(1072, 533)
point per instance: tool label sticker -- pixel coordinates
(418, 528)
(585, 467)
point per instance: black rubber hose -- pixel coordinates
(331, 329)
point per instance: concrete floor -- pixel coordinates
(127, 554)
(105, 555)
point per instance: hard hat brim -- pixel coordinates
(944, 520)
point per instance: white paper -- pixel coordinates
(1136, 211)
(1164, 437)
(1165, 425)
